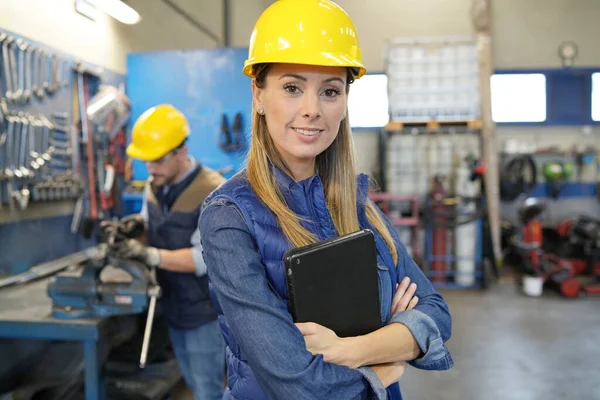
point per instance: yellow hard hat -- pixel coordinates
(313, 32)
(156, 132)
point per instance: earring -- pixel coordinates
(261, 111)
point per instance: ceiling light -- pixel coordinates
(118, 10)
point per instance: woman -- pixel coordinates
(299, 187)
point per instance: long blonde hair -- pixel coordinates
(336, 168)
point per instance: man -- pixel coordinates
(177, 186)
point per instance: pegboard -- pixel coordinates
(39, 229)
(203, 84)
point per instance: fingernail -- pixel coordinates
(413, 285)
(406, 279)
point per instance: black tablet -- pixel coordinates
(334, 283)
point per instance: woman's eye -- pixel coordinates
(291, 89)
(332, 92)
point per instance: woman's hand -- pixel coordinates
(322, 340)
(345, 351)
(405, 298)
(390, 373)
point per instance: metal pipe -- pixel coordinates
(153, 292)
(226, 23)
(51, 267)
(192, 21)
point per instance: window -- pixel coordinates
(518, 97)
(368, 102)
(596, 96)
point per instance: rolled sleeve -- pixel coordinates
(196, 243)
(144, 210)
(426, 333)
(260, 323)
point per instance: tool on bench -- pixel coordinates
(51, 267)
(81, 293)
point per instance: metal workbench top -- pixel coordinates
(25, 312)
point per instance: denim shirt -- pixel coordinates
(260, 324)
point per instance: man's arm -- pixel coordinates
(184, 260)
(177, 260)
(180, 260)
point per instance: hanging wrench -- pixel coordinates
(55, 73)
(62, 152)
(23, 147)
(61, 164)
(9, 145)
(39, 158)
(12, 52)
(20, 49)
(28, 67)
(36, 86)
(66, 72)
(2, 159)
(6, 66)
(10, 166)
(45, 62)
(6, 42)
(59, 144)
(52, 85)
(59, 72)
(48, 126)
(31, 137)
(13, 147)
(42, 84)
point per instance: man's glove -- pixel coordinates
(132, 226)
(134, 250)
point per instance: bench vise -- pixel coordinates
(80, 293)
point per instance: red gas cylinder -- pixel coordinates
(532, 235)
(439, 241)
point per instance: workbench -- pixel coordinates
(25, 313)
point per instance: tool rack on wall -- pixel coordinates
(44, 152)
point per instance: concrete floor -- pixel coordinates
(510, 347)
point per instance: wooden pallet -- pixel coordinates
(432, 125)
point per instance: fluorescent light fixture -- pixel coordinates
(596, 96)
(518, 97)
(118, 10)
(368, 102)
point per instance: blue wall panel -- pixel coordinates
(204, 85)
(25, 244)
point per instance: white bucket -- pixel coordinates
(533, 285)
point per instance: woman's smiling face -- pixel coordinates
(303, 107)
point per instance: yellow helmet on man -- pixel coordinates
(312, 32)
(156, 132)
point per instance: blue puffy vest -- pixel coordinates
(173, 219)
(307, 200)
